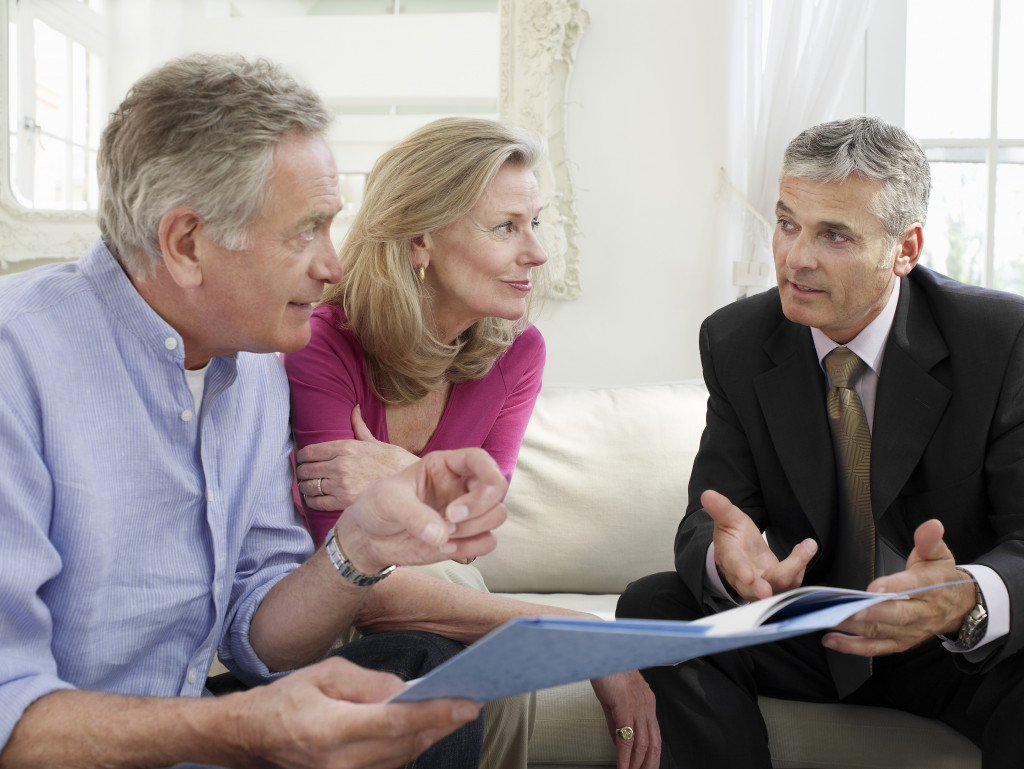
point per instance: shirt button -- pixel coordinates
(191, 676)
(170, 343)
(186, 415)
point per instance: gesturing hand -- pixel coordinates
(332, 714)
(443, 506)
(333, 473)
(744, 558)
(895, 626)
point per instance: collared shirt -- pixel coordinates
(869, 345)
(138, 533)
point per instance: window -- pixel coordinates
(964, 74)
(54, 103)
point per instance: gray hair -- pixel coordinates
(874, 149)
(198, 133)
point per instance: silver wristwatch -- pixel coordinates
(346, 569)
(975, 624)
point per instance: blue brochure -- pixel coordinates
(534, 653)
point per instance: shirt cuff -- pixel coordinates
(715, 579)
(997, 605)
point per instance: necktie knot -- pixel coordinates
(843, 366)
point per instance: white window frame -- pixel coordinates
(30, 236)
(885, 80)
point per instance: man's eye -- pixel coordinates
(836, 237)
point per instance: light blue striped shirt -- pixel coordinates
(137, 538)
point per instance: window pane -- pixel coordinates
(95, 112)
(1011, 71)
(52, 98)
(954, 241)
(51, 173)
(80, 91)
(1009, 245)
(949, 68)
(92, 189)
(79, 179)
(12, 78)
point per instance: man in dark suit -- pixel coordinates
(939, 381)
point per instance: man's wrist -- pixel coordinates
(974, 623)
(347, 570)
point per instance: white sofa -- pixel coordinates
(597, 495)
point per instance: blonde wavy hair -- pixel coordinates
(425, 182)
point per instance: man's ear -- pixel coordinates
(910, 247)
(181, 246)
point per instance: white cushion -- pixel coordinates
(599, 489)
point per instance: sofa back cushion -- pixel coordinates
(599, 488)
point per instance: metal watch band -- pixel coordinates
(346, 570)
(976, 622)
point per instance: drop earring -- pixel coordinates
(423, 273)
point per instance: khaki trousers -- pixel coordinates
(508, 723)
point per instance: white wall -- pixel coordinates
(645, 134)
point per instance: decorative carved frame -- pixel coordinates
(539, 39)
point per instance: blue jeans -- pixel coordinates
(407, 654)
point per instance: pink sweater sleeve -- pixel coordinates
(522, 369)
(327, 379)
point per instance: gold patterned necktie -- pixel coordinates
(854, 562)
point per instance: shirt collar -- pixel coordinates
(116, 291)
(869, 344)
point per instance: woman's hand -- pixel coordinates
(332, 474)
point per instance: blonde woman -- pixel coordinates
(425, 344)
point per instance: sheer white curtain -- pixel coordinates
(793, 62)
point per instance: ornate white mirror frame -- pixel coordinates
(539, 39)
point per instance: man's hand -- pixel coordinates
(895, 626)
(332, 714)
(627, 701)
(744, 558)
(329, 714)
(443, 506)
(333, 473)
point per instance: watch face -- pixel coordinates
(973, 628)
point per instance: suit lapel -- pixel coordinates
(792, 399)
(910, 402)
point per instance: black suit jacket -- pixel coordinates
(947, 435)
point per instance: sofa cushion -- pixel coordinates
(599, 488)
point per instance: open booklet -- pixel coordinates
(534, 653)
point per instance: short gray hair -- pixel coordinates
(874, 149)
(199, 133)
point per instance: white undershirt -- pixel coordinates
(197, 383)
